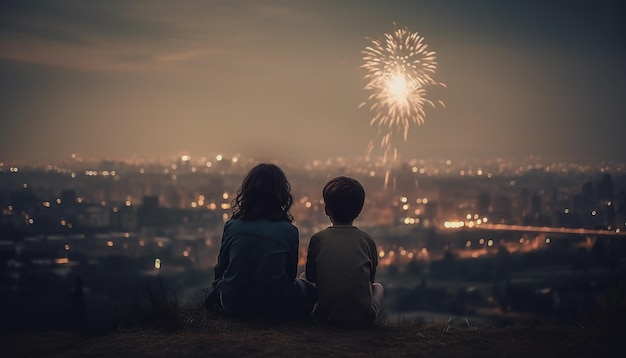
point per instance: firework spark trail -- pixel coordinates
(400, 68)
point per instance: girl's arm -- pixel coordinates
(222, 263)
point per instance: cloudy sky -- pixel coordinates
(282, 79)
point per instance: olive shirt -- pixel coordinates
(257, 266)
(342, 261)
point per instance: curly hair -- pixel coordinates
(265, 193)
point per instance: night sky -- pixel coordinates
(282, 79)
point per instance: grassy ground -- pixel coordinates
(159, 326)
(213, 335)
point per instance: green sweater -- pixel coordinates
(257, 266)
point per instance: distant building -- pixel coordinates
(502, 210)
(483, 204)
(149, 212)
(94, 216)
(604, 189)
(123, 218)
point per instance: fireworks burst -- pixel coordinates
(400, 68)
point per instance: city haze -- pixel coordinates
(281, 79)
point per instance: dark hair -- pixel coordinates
(264, 193)
(344, 198)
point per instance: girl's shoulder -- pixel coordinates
(260, 224)
(277, 224)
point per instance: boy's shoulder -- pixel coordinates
(337, 231)
(369, 238)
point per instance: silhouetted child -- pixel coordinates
(257, 263)
(342, 260)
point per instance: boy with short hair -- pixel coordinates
(342, 260)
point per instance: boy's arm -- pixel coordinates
(374, 258)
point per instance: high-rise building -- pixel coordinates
(483, 203)
(149, 212)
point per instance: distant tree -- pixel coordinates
(599, 252)
(495, 291)
(580, 260)
(423, 284)
(503, 261)
(448, 257)
(392, 270)
(413, 267)
(78, 311)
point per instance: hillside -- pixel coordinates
(217, 336)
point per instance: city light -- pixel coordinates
(415, 224)
(453, 224)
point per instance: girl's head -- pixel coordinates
(265, 193)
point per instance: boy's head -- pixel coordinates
(344, 198)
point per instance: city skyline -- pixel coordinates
(281, 79)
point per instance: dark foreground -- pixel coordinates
(222, 337)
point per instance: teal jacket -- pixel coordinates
(257, 266)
